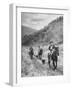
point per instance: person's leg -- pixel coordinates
(56, 62)
(53, 64)
(49, 60)
(49, 63)
(40, 57)
(31, 56)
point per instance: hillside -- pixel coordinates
(26, 30)
(53, 31)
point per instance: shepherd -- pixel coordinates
(31, 52)
(40, 52)
(53, 55)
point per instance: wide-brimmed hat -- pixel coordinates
(51, 42)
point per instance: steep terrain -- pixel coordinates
(26, 30)
(53, 31)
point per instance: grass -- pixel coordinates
(30, 68)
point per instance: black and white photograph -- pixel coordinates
(41, 44)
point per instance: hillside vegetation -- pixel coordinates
(53, 31)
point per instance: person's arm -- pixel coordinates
(49, 48)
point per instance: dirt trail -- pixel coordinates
(44, 68)
(36, 68)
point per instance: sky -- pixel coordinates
(37, 20)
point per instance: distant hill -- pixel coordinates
(26, 30)
(53, 31)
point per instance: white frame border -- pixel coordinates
(15, 36)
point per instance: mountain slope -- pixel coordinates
(26, 30)
(53, 31)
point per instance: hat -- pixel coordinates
(51, 42)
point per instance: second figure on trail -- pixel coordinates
(40, 52)
(31, 52)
